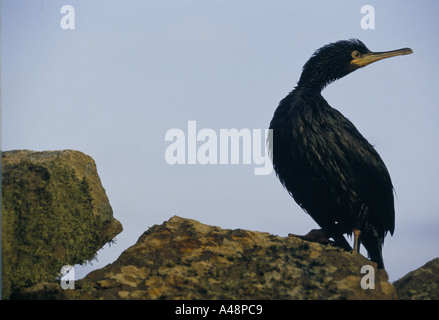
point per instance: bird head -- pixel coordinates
(338, 59)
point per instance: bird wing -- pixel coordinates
(372, 179)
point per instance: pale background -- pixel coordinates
(132, 70)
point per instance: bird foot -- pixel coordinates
(315, 235)
(356, 248)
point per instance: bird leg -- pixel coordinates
(357, 234)
(315, 235)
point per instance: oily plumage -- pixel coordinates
(324, 162)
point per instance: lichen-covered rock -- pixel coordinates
(54, 212)
(420, 284)
(184, 259)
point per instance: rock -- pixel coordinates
(54, 212)
(420, 284)
(184, 259)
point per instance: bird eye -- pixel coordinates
(355, 54)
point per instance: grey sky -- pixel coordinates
(132, 70)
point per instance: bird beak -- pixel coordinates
(370, 57)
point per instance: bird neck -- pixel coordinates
(313, 85)
(318, 78)
(310, 88)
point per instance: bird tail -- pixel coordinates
(374, 245)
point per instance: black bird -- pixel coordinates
(324, 162)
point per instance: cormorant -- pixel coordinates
(324, 162)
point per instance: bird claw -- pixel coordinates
(315, 235)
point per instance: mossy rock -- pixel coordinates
(54, 212)
(185, 259)
(420, 284)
